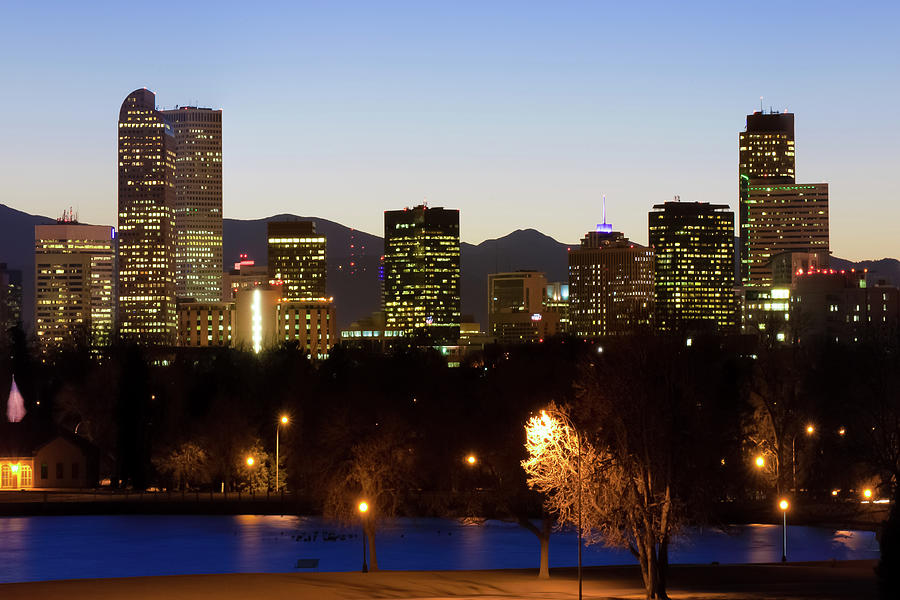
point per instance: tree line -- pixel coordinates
(671, 430)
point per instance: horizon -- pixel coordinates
(380, 235)
(524, 116)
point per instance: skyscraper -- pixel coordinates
(777, 216)
(766, 150)
(146, 283)
(767, 147)
(694, 247)
(421, 272)
(783, 219)
(297, 258)
(74, 283)
(198, 201)
(610, 285)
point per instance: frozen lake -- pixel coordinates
(43, 548)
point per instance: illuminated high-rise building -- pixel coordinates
(782, 219)
(610, 285)
(766, 150)
(694, 247)
(297, 259)
(777, 215)
(421, 273)
(146, 282)
(767, 147)
(74, 299)
(198, 201)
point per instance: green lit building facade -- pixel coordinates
(694, 270)
(421, 273)
(766, 150)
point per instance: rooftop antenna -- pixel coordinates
(760, 104)
(604, 227)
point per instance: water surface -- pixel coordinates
(44, 548)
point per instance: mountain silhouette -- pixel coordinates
(353, 272)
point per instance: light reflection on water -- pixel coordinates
(42, 548)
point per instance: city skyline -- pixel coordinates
(501, 125)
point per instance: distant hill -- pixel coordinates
(886, 269)
(17, 250)
(521, 249)
(357, 289)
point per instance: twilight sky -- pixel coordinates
(521, 114)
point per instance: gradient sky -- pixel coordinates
(521, 114)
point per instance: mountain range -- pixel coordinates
(356, 287)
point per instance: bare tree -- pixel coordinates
(647, 450)
(377, 472)
(776, 398)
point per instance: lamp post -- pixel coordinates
(783, 505)
(571, 425)
(810, 429)
(282, 421)
(363, 508)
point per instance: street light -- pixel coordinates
(810, 430)
(282, 421)
(571, 425)
(250, 461)
(867, 493)
(784, 505)
(471, 459)
(363, 509)
(760, 462)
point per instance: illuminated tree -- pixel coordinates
(253, 468)
(646, 418)
(184, 464)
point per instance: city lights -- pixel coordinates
(256, 317)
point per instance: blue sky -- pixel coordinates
(521, 114)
